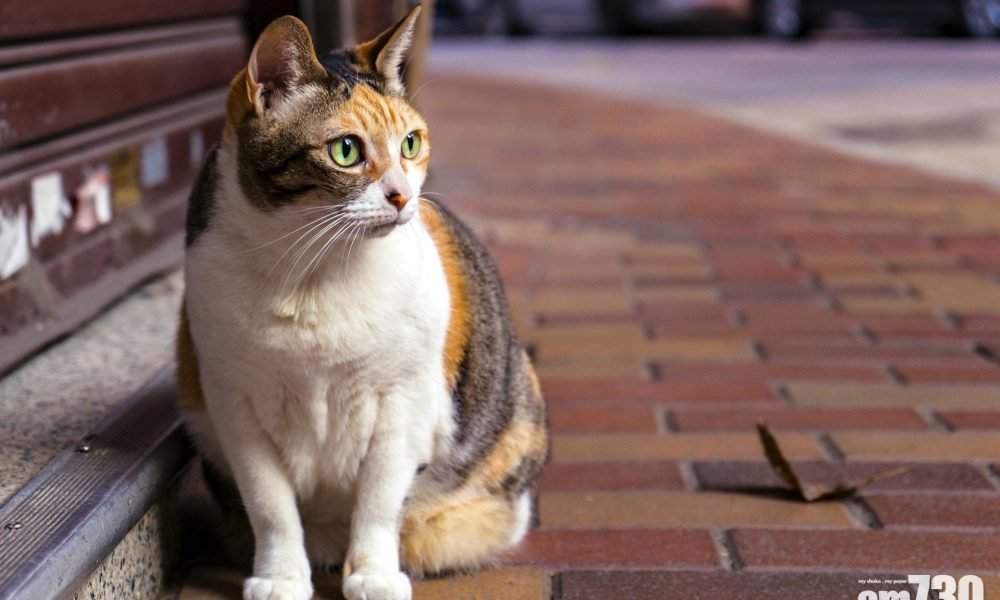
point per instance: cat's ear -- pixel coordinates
(384, 54)
(283, 59)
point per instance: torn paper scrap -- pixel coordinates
(93, 200)
(154, 162)
(196, 148)
(49, 206)
(13, 241)
(125, 179)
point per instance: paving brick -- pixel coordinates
(576, 448)
(494, 584)
(610, 476)
(927, 446)
(720, 585)
(972, 419)
(654, 509)
(602, 419)
(851, 349)
(616, 548)
(674, 293)
(627, 369)
(611, 333)
(622, 393)
(711, 348)
(769, 371)
(876, 395)
(932, 477)
(958, 291)
(906, 551)
(976, 372)
(937, 511)
(692, 419)
(613, 302)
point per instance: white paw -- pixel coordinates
(259, 588)
(377, 586)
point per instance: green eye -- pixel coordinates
(411, 145)
(346, 151)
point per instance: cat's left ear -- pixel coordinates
(384, 54)
(282, 61)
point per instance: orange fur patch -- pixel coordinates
(459, 321)
(455, 533)
(521, 439)
(189, 395)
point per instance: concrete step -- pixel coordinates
(101, 519)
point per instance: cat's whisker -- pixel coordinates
(359, 228)
(308, 245)
(313, 225)
(425, 84)
(323, 251)
(284, 236)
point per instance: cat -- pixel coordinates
(345, 355)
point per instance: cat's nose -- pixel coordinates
(397, 190)
(396, 199)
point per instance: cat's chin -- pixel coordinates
(380, 231)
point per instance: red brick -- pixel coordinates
(610, 476)
(769, 371)
(949, 511)
(658, 509)
(975, 372)
(584, 419)
(905, 325)
(624, 447)
(719, 585)
(981, 324)
(972, 419)
(803, 319)
(616, 548)
(934, 477)
(621, 393)
(795, 418)
(827, 348)
(910, 551)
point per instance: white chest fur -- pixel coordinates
(314, 364)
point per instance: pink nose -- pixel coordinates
(396, 199)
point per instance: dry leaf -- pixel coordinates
(812, 493)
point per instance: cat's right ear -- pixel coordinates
(283, 59)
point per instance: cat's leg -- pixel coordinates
(372, 571)
(280, 569)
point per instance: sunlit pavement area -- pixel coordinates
(929, 102)
(680, 268)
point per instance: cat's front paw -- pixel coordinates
(372, 585)
(260, 588)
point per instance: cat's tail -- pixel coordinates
(461, 532)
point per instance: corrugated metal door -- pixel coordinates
(106, 109)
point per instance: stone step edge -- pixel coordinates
(61, 525)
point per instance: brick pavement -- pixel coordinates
(677, 277)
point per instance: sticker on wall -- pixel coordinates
(125, 180)
(155, 162)
(13, 241)
(93, 200)
(49, 207)
(196, 148)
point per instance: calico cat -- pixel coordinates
(345, 353)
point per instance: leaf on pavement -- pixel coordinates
(812, 492)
